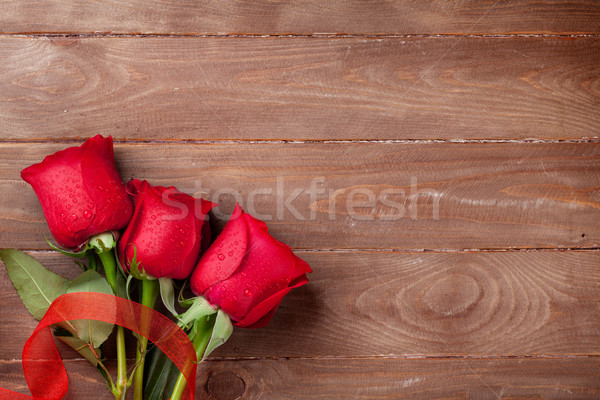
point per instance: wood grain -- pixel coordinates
(366, 304)
(405, 379)
(575, 378)
(364, 195)
(300, 88)
(302, 17)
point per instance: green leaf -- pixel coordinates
(160, 375)
(167, 294)
(221, 332)
(90, 331)
(36, 285)
(80, 346)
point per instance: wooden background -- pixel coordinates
(472, 272)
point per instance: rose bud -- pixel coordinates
(246, 272)
(81, 192)
(165, 235)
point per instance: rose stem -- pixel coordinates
(200, 341)
(110, 269)
(149, 293)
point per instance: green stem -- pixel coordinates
(110, 269)
(200, 341)
(121, 363)
(149, 293)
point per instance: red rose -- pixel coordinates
(81, 192)
(166, 232)
(246, 272)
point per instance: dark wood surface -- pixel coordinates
(297, 88)
(423, 195)
(371, 304)
(473, 271)
(384, 378)
(296, 17)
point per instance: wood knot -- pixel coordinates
(225, 386)
(453, 294)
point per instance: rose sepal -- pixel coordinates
(102, 242)
(74, 254)
(204, 318)
(199, 308)
(221, 331)
(167, 294)
(135, 270)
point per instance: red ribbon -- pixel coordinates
(44, 369)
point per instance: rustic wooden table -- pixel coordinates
(437, 163)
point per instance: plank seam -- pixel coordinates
(381, 357)
(295, 36)
(374, 250)
(311, 141)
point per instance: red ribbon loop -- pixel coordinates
(44, 369)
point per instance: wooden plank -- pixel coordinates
(300, 88)
(366, 304)
(359, 195)
(302, 17)
(563, 378)
(398, 378)
(85, 382)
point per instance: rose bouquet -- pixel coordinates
(140, 240)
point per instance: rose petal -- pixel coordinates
(103, 185)
(266, 269)
(64, 183)
(301, 267)
(224, 256)
(164, 231)
(261, 314)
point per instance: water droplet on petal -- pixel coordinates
(101, 187)
(221, 257)
(87, 214)
(247, 293)
(220, 244)
(73, 216)
(230, 254)
(90, 205)
(69, 228)
(67, 206)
